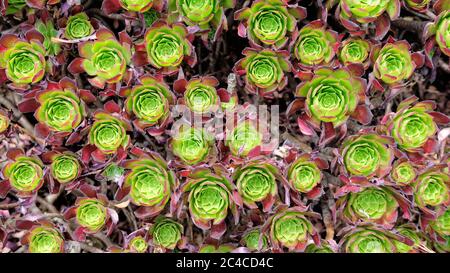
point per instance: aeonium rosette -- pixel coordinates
(108, 135)
(166, 233)
(369, 239)
(355, 51)
(150, 103)
(132, 7)
(22, 61)
(411, 232)
(92, 213)
(192, 145)
(264, 70)
(366, 155)
(105, 59)
(269, 22)
(437, 32)
(326, 246)
(78, 26)
(256, 181)
(209, 197)
(245, 138)
(200, 94)
(65, 168)
(414, 125)
(165, 47)
(135, 242)
(329, 98)
(419, 5)
(403, 172)
(432, 189)
(393, 63)
(304, 175)
(374, 204)
(354, 15)
(314, 45)
(149, 183)
(206, 14)
(42, 237)
(22, 174)
(440, 225)
(255, 240)
(291, 228)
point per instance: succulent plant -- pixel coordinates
(149, 102)
(191, 145)
(354, 51)
(13, 6)
(367, 240)
(305, 173)
(255, 240)
(105, 59)
(410, 232)
(165, 47)
(48, 31)
(367, 155)
(25, 174)
(216, 249)
(136, 5)
(209, 199)
(269, 22)
(403, 172)
(78, 26)
(334, 96)
(200, 95)
(431, 188)
(45, 239)
(206, 14)
(65, 167)
(291, 228)
(419, 5)
(393, 63)
(314, 45)
(166, 233)
(23, 61)
(243, 138)
(441, 224)
(109, 133)
(443, 246)
(60, 107)
(264, 70)
(371, 204)
(91, 214)
(138, 244)
(149, 183)
(256, 181)
(414, 124)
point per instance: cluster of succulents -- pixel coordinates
(127, 125)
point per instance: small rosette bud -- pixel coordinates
(264, 70)
(65, 168)
(78, 26)
(367, 155)
(432, 189)
(150, 102)
(367, 240)
(403, 173)
(243, 138)
(191, 145)
(91, 214)
(109, 133)
(166, 233)
(315, 45)
(254, 240)
(256, 181)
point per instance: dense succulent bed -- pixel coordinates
(127, 126)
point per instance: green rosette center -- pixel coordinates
(91, 214)
(65, 168)
(45, 240)
(191, 145)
